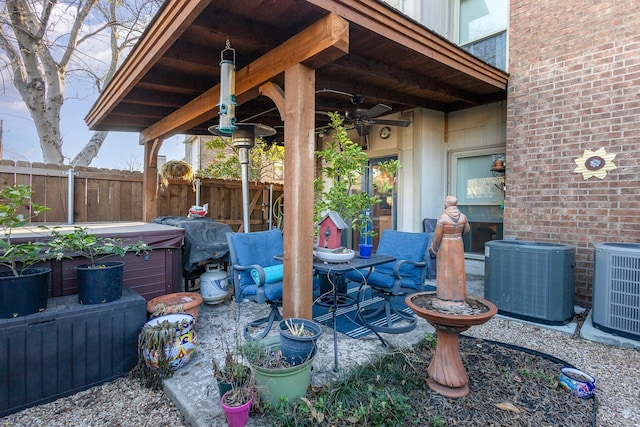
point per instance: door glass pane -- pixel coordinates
(480, 196)
(382, 187)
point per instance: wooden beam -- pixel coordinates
(276, 94)
(173, 19)
(320, 43)
(299, 138)
(150, 180)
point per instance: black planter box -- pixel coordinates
(67, 348)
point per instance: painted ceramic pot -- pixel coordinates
(179, 352)
(577, 382)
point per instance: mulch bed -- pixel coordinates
(508, 387)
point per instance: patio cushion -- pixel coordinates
(272, 274)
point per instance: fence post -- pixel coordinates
(70, 195)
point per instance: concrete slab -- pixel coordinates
(193, 388)
(591, 333)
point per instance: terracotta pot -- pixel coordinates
(180, 302)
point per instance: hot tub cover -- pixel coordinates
(204, 240)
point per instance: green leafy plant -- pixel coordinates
(366, 226)
(16, 211)
(226, 163)
(343, 164)
(90, 246)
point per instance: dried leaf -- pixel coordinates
(353, 420)
(318, 416)
(508, 406)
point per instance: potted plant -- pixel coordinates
(366, 234)
(24, 289)
(99, 281)
(298, 338)
(275, 378)
(343, 164)
(232, 373)
(165, 344)
(236, 404)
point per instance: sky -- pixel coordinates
(119, 151)
(19, 137)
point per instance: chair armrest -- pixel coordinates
(257, 267)
(400, 263)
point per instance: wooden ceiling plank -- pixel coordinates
(322, 42)
(377, 70)
(377, 17)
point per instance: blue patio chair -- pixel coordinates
(404, 276)
(256, 274)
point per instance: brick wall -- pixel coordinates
(574, 85)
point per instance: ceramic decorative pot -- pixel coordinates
(179, 351)
(365, 250)
(577, 382)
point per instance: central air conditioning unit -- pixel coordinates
(531, 280)
(616, 289)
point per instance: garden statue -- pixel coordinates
(448, 247)
(449, 309)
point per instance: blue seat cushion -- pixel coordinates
(272, 274)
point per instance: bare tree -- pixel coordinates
(41, 58)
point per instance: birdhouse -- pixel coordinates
(331, 227)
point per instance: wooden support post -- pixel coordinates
(298, 191)
(150, 180)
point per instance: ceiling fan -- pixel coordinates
(361, 118)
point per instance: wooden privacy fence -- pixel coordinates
(115, 195)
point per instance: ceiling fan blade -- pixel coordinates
(248, 119)
(376, 111)
(402, 123)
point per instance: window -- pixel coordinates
(483, 30)
(480, 195)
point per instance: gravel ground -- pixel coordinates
(125, 403)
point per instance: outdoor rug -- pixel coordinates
(347, 321)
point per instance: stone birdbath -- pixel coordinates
(449, 310)
(447, 374)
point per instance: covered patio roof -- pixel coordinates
(389, 59)
(310, 50)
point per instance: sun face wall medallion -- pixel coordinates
(595, 163)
